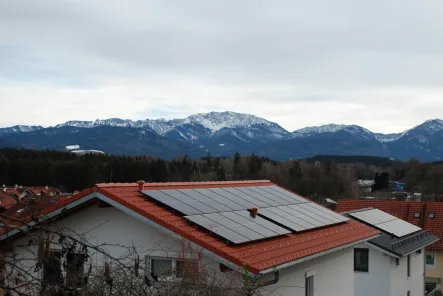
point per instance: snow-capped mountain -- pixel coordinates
(19, 129)
(224, 133)
(333, 128)
(194, 127)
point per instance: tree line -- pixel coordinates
(318, 177)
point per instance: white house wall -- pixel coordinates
(377, 280)
(333, 272)
(385, 276)
(401, 283)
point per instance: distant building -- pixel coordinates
(72, 147)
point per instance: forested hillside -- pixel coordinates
(316, 177)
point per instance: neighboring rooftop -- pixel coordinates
(260, 255)
(426, 215)
(399, 237)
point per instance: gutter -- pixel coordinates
(273, 281)
(289, 264)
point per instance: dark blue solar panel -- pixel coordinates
(214, 196)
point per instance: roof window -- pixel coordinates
(417, 215)
(431, 215)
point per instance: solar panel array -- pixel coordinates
(386, 222)
(215, 200)
(225, 211)
(238, 226)
(302, 217)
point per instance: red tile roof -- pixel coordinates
(404, 210)
(7, 200)
(42, 206)
(258, 255)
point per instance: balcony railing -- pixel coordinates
(435, 292)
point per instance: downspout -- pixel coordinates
(273, 281)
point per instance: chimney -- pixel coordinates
(254, 212)
(141, 185)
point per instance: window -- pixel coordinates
(361, 260)
(430, 260)
(409, 265)
(309, 286)
(166, 267)
(417, 215)
(161, 267)
(74, 267)
(74, 270)
(431, 215)
(52, 268)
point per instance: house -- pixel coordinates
(426, 215)
(393, 263)
(294, 246)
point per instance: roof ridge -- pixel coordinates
(160, 184)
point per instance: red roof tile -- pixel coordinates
(404, 210)
(7, 200)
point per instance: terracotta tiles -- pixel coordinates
(405, 210)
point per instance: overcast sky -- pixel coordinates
(375, 63)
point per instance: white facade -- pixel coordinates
(333, 273)
(385, 276)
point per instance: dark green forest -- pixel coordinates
(325, 176)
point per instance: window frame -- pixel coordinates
(434, 256)
(309, 285)
(361, 250)
(44, 270)
(174, 260)
(63, 279)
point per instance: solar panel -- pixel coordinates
(386, 222)
(216, 205)
(326, 213)
(302, 216)
(171, 202)
(214, 196)
(292, 198)
(260, 197)
(281, 201)
(238, 226)
(254, 201)
(374, 216)
(234, 198)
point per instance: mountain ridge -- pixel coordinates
(224, 133)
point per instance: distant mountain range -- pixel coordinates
(224, 133)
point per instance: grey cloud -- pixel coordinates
(291, 51)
